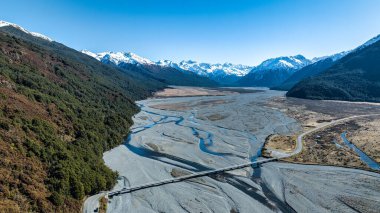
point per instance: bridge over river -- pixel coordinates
(186, 177)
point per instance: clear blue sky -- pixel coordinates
(237, 31)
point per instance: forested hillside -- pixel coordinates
(59, 111)
(355, 77)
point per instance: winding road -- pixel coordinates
(298, 148)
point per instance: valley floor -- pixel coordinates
(172, 137)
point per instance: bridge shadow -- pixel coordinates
(147, 153)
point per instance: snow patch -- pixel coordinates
(370, 42)
(4, 24)
(285, 63)
(41, 36)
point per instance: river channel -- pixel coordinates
(181, 135)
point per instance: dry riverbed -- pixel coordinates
(177, 136)
(183, 91)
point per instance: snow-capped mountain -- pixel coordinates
(118, 57)
(271, 72)
(274, 71)
(218, 72)
(4, 24)
(222, 73)
(158, 70)
(207, 69)
(283, 63)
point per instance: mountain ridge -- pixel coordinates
(320, 65)
(354, 77)
(213, 71)
(165, 74)
(35, 34)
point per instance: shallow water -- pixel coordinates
(204, 143)
(363, 156)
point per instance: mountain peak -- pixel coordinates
(284, 62)
(39, 35)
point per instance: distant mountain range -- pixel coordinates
(269, 73)
(222, 73)
(280, 73)
(342, 76)
(163, 73)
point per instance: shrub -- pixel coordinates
(56, 199)
(4, 125)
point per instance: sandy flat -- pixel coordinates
(189, 91)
